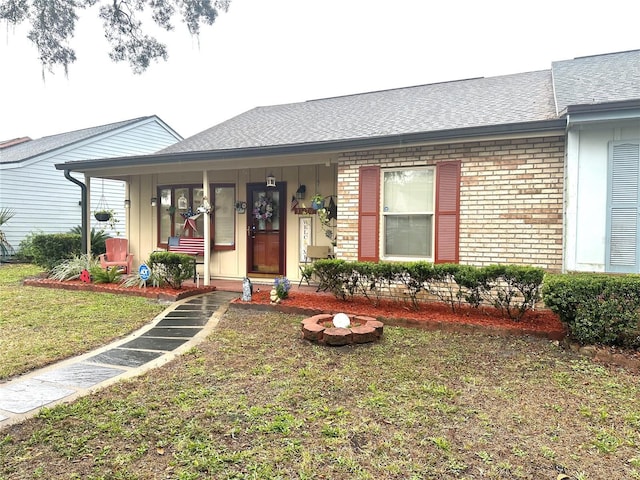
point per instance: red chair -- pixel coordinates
(117, 254)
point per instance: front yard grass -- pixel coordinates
(40, 325)
(256, 401)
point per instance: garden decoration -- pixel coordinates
(247, 289)
(332, 210)
(190, 219)
(263, 209)
(341, 329)
(102, 213)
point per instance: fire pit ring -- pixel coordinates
(320, 329)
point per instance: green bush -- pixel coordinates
(51, 249)
(105, 275)
(511, 289)
(98, 238)
(25, 248)
(72, 268)
(596, 308)
(172, 268)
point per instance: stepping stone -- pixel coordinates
(20, 397)
(80, 375)
(151, 343)
(125, 358)
(183, 322)
(171, 332)
(185, 314)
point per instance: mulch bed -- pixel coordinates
(434, 316)
(165, 293)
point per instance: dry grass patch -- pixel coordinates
(257, 401)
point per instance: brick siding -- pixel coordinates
(510, 197)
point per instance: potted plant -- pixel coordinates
(317, 201)
(103, 215)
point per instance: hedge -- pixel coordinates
(511, 289)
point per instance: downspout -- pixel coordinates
(83, 201)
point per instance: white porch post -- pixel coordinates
(87, 211)
(207, 229)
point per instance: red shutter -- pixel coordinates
(447, 212)
(369, 214)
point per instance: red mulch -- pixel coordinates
(165, 293)
(541, 323)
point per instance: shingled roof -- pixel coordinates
(612, 77)
(30, 149)
(510, 104)
(479, 102)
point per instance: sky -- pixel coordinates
(268, 52)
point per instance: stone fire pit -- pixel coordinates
(321, 329)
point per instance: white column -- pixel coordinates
(207, 229)
(87, 182)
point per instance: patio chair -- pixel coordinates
(117, 254)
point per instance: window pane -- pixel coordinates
(224, 215)
(198, 195)
(407, 191)
(182, 200)
(408, 235)
(165, 214)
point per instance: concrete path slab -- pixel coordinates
(182, 325)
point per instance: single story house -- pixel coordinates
(45, 201)
(537, 168)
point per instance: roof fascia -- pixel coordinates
(84, 141)
(620, 109)
(538, 127)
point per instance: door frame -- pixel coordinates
(281, 188)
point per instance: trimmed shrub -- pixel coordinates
(511, 289)
(49, 250)
(172, 268)
(596, 308)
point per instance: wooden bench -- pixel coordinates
(188, 246)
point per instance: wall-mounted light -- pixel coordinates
(127, 203)
(271, 180)
(300, 193)
(154, 201)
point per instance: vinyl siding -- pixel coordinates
(45, 201)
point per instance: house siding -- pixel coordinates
(586, 191)
(511, 197)
(46, 202)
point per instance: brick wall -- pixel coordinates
(510, 197)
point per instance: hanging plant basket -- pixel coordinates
(102, 216)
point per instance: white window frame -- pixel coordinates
(384, 215)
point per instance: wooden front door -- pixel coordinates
(266, 232)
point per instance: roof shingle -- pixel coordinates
(524, 97)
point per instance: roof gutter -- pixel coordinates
(542, 126)
(84, 205)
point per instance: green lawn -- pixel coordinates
(43, 325)
(256, 401)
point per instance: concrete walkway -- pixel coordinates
(182, 325)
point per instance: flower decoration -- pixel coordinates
(282, 285)
(263, 209)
